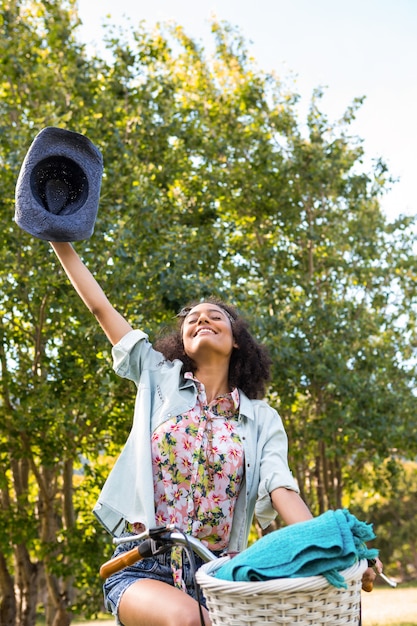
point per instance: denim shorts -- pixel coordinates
(155, 568)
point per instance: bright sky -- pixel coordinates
(351, 47)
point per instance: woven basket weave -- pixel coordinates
(304, 601)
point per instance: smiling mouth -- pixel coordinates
(204, 330)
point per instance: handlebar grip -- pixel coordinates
(368, 585)
(119, 562)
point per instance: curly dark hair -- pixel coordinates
(249, 368)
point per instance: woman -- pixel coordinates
(202, 452)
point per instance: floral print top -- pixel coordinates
(198, 468)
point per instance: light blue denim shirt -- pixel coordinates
(162, 393)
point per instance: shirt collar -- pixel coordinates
(234, 393)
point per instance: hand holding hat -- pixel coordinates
(58, 188)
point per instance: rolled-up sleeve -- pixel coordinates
(129, 354)
(274, 469)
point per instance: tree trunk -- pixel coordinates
(58, 613)
(26, 587)
(62, 618)
(59, 588)
(7, 598)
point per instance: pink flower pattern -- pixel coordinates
(198, 468)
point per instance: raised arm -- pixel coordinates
(114, 325)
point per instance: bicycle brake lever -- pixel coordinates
(390, 581)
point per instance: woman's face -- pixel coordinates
(207, 331)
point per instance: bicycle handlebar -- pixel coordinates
(152, 542)
(130, 557)
(157, 540)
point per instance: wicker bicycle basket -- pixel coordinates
(304, 601)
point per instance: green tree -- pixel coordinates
(331, 286)
(393, 513)
(44, 77)
(211, 185)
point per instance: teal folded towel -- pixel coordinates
(323, 545)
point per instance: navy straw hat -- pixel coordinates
(58, 188)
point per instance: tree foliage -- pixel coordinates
(212, 184)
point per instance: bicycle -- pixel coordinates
(302, 601)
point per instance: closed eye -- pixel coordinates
(194, 320)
